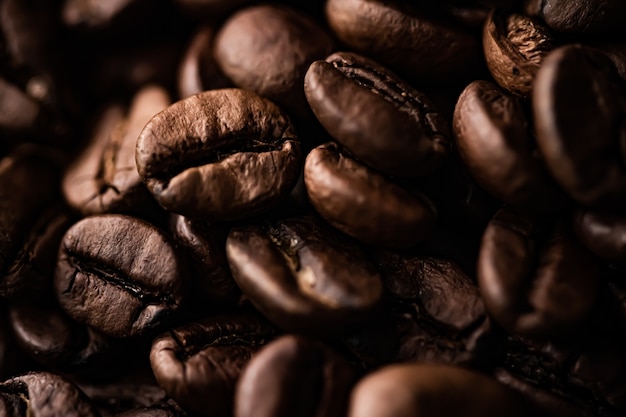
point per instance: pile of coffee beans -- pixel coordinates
(337, 208)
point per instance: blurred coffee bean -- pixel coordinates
(591, 171)
(296, 377)
(29, 179)
(438, 311)
(381, 119)
(408, 40)
(303, 275)
(267, 49)
(545, 403)
(603, 233)
(120, 275)
(103, 178)
(198, 70)
(241, 155)
(413, 390)
(33, 266)
(591, 17)
(363, 203)
(490, 125)
(60, 344)
(209, 8)
(534, 277)
(198, 364)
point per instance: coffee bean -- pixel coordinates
(515, 46)
(546, 403)
(54, 340)
(211, 281)
(535, 279)
(405, 38)
(198, 70)
(104, 178)
(363, 203)
(198, 364)
(432, 390)
(120, 275)
(302, 275)
(294, 376)
(593, 17)
(43, 394)
(33, 266)
(438, 311)
(28, 187)
(603, 233)
(490, 125)
(381, 119)
(285, 40)
(219, 155)
(591, 171)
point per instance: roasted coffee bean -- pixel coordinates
(406, 39)
(198, 70)
(591, 171)
(297, 377)
(198, 364)
(28, 187)
(591, 17)
(363, 203)
(411, 390)
(219, 155)
(303, 275)
(94, 15)
(120, 275)
(588, 374)
(515, 46)
(546, 403)
(617, 52)
(380, 118)
(33, 266)
(438, 311)
(104, 178)
(43, 394)
(284, 40)
(211, 281)
(536, 280)
(603, 233)
(490, 125)
(60, 344)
